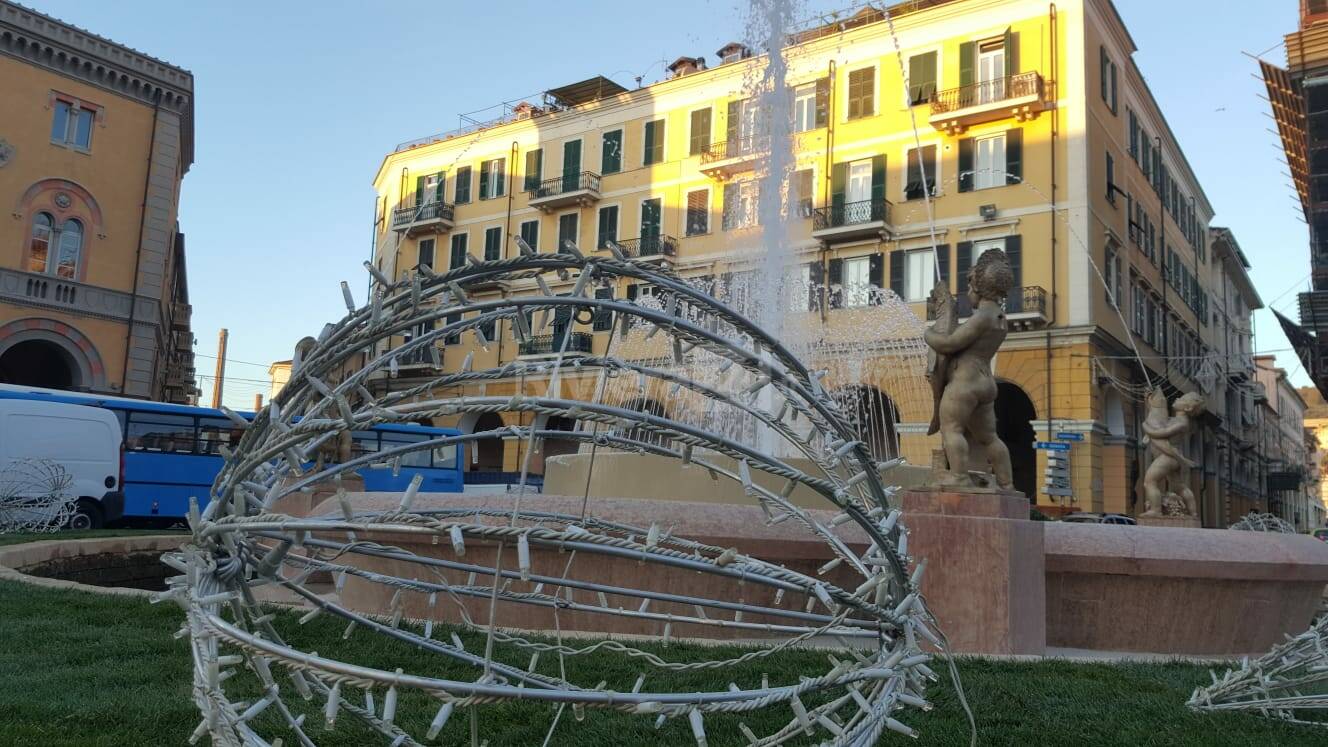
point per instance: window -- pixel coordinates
(857, 282)
(652, 222)
(72, 124)
(152, 431)
(700, 140)
(804, 191)
(429, 189)
(740, 199)
(1134, 136)
(653, 145)
(862, 93)
(608, 226)
(921, 177)
(1108, 82)
(993, 70)
(698, 212)
(493, 244)
(919, 274)
(39, 245)
(213, 433)
(921, 78)
(426, 253)
(567, 227)
(1111, 179)
(530, 234)
(492, 175)
(458, 256)
(611, 152)
(800, 288)
(989, 169)
(418, 458)
(462, 186)
(804, 108)
(534, 169)
(71, 246)
(1111, 271)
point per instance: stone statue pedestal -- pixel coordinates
(1183, 522)
(299, 504)
(985, 579)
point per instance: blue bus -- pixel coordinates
(173, 452)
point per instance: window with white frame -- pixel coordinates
(989, 162)
(857, 282)
(71, 124)
(1111, 271)
(804, 108)
(740, 201)
(919, 274)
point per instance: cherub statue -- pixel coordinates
(963, 388)
(1163, 478)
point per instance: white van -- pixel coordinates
(85, 441)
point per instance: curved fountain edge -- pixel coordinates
(15, 558)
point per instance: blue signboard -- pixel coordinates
(1051, 446)
(1063, 436)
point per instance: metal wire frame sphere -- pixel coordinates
(240, 545)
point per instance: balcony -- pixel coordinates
(1025, 308)
(1020, 97)
(550, 345)
(419, 358)
(422, 218)
(727, 158)
(851, 221)
(663, 248)
(570, 189)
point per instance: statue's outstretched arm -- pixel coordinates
(964, 335)
(1174, 427)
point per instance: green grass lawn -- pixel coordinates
(85, 669)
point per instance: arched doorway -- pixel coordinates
(488, 451)
(40, 363)
(874, 418)
(558, 446)
(1014, 426)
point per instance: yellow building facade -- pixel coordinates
(1037, 135)
(94, 141)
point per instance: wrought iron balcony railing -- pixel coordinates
(850, 214)
(585, 180)
(650, 246)
(418, 357)
(747, 145)
(987, 92)
(422, 212)
(580, 342)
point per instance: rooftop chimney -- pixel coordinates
(685, 66)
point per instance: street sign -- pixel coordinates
(1051, 446)
(1064, 436)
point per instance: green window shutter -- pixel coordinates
(896, 260)
(1014, 156)
(921, 78)
(822, 102)
(419, 190)
(650, 218)
(608, 226)
(438, 186)
(458, 258)
(462, 194)
(730, 205)
(654, 142)
(1014, 249)
(836, 283)
(502, 178)
(1102, 64)
(878, 180)
(700, 132)
(1011, 52)
(968, 61)
(838, 185)
(966, 164)
(484, 180)
(816, 274)
(875, 276)
(1113, 88)
(571, 158)
(611, 152)
(493, 244)
(964, 261)
(732, 123)
(534, 168)
(530, 234)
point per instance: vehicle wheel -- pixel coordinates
(86, 516)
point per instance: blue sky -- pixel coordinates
(297, 102)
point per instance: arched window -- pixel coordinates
(40, 245)
(71, 248)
